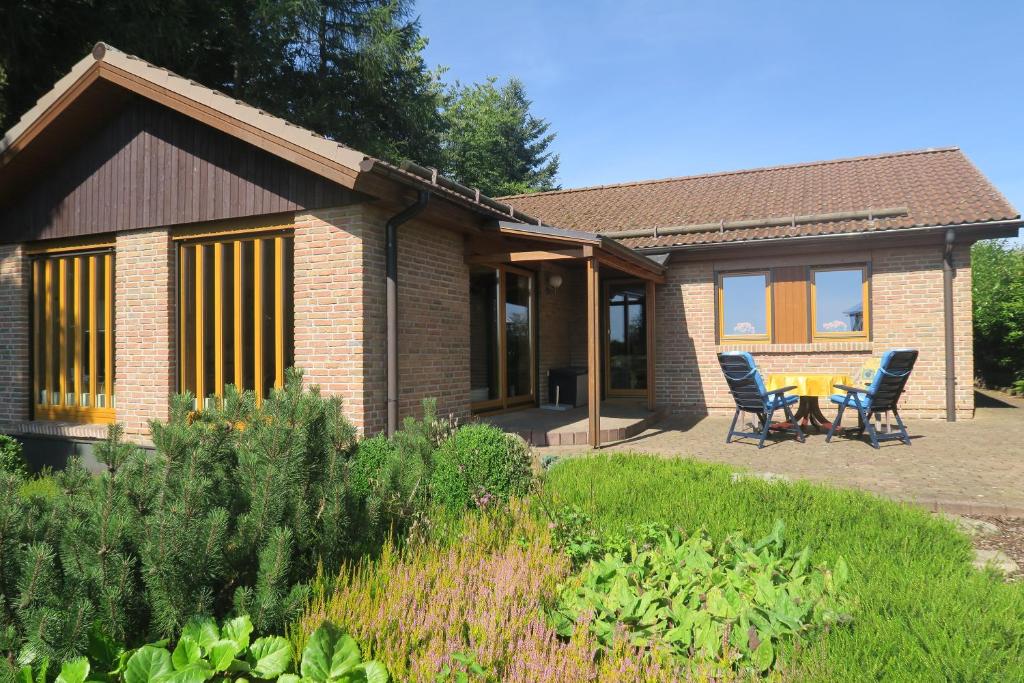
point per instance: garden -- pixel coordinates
(266, 542)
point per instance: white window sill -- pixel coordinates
(837, 346)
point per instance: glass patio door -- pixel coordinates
(502, 350)
(626, 343)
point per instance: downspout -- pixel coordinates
(391, 257)
(947, 290)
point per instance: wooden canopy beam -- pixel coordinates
(629, 268)
(524, 256)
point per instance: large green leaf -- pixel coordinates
(149, 665)
(203, 630)
(186, 652)
(329, 654)
(270, 656)
(74, 671)
(238, 630)
(193, 673)
(222, 653)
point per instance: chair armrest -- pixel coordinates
(851, 390)
(781, 391)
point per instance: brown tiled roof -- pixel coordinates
(935, 186)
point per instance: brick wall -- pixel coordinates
(329, 304)
(907, 308)
(144, 341)
(433, 320)
(562, 321)
(15, 382)
(340, 309)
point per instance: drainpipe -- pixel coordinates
(947, 292)
(391, 229)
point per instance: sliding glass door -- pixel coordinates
(502, 352)
(626, 345)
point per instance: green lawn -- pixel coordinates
(921, 613)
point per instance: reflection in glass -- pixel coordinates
(627, 337)
(744, 305)
(839, 301)
(518, 325)
(484, 333)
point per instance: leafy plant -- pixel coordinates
(480, 463)
(463, 669)
(12, 459)
(734, 605)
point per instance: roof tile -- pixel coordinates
(938, 187)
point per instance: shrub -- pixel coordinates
(11, 458)
(480, 463)
(732, 605)
(231, 515)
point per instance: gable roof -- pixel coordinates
(887, 192)
(106, 66)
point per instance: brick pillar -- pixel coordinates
(329, 304)
(144, 341)
(15, 382)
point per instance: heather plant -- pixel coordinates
(479, 464)
(474, 604)
(230, 516)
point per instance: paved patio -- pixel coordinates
(968, 467)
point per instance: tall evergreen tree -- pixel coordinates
(349, 69)
(493, 142)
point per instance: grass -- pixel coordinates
(921, 613)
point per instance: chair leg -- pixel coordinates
(792, 421)
(767, 425)
(870, 429)
(732, 427)
(836, 423)
(903, 427)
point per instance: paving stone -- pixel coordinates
(972, 527)
(996, 559)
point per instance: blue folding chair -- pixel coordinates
(880, 396)
(748, 390)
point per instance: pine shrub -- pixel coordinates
(231, 515)
(478, 464)
(11, 458)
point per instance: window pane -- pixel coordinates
(85, 311)
(269, 317)
(99, 296)
(53, 338)
(39, 313)
(517, 333)
(483, 321)
(248, 303)
(68, 338)
(188, 318)
(744, 311)
(209, 320)
(228, 299)
(838, 301)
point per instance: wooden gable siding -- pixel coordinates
(149, 167)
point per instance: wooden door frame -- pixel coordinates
(505, 402)
(607, 355)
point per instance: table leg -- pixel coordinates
(817, 417)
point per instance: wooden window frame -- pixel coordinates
(224, 240)
(504, 402)
(865, 293)
(70, 268)
(864, 334)
(765, 338)
(607, 369)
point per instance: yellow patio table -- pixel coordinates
(810, 386)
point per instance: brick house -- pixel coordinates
(157, 236)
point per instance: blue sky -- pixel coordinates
(650, 89)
